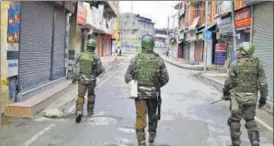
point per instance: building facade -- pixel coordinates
(253, 23)
(140, 26)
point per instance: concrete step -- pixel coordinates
(36, 103)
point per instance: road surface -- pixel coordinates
(188, 118)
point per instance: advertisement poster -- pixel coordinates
(13, 22)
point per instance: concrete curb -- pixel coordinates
(264, 116)
(184, 67)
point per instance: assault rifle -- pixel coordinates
(156, 82)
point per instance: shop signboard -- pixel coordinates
(207, 35)
(243, 18)
(200, 36)
(81, 13)
(224, 25)
(220, 54)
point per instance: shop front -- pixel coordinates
(44, 60)
(243, 24)
(263, 39)
(224, 37)
(191, 38)
(198, 55)
(181, 44)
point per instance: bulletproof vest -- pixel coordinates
(247, 75)
(86, 62)
(147, 65)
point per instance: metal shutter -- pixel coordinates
(263, 39)
(198, 51)
(186, 51)
(58, 55)
(35, 44)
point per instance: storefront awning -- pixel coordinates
(211, 27)
(194, 23)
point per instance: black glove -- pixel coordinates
(262, 102)
(226, 92)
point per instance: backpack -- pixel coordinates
(86, 63)
(147, 65)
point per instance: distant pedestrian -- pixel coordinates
(245, 77)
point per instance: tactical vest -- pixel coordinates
(247, 75)
(147, 65)
(86, 62)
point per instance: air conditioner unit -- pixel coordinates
(218, 35)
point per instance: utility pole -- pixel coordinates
(233, 50)
(131, 18)
(206, 43)
(167, 33)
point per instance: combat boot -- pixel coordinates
(141, 137)
(79, 110)
(152, 136)
(254, 138)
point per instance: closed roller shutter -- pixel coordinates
(263, 39)
(58, 55)
(186, 51)
(35, 44)
(198, 51)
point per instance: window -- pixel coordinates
(198, 10)
(209, 10)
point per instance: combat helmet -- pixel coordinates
(91, 44)
(147, 42)
(245, 48)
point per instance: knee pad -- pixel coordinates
(80, 100)
(234, 123)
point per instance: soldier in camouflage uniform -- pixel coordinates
(88, 66)
(245, 77)
(148, 69)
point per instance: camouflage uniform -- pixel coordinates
(88, 66)
(140, 69)
(245, 77)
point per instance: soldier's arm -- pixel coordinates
(262, 82)
(99, 69)
(130, 71)
(77, 59)
(164, 76)
(230, 77)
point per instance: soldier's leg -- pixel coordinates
(91, 98)
(80, 101)
(251, 125)
(153, 121)
(234, 122)
(141, 121)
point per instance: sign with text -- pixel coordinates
(12, 68)
(243, 18)
(81, 13)
(207, 35)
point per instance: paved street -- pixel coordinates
(188, 118)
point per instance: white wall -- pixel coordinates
(209, 53)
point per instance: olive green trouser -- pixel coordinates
(82, 88)
(247, 112)
(144, 107)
